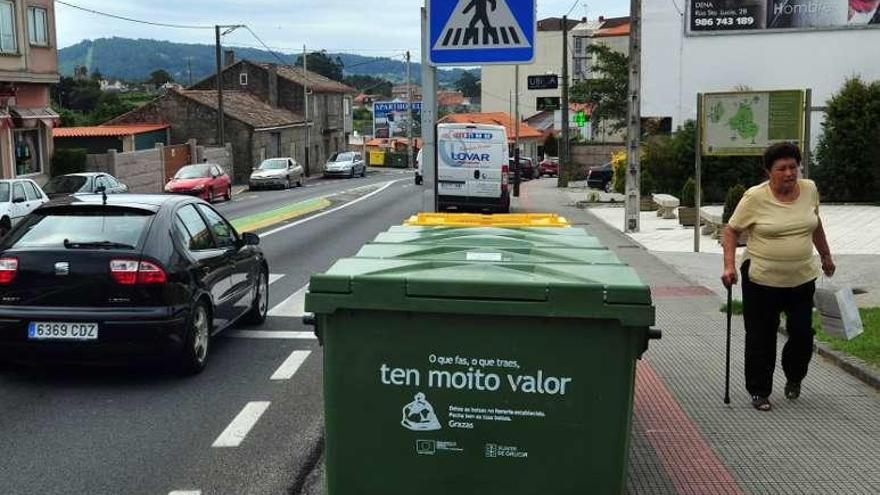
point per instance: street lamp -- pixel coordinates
(221, 125)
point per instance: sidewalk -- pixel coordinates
(685, 440)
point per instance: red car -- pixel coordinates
(205, 180)
(550, 167)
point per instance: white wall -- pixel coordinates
(677, 67)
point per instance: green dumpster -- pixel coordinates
(490, 255)
(482, 237)
(445, 376)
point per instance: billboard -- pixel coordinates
(746, 123)
(743, 16)
(390, 119)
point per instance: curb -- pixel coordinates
(852, 365)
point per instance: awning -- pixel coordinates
(29, 117)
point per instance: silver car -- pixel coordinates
(345, 164)
(277, 172)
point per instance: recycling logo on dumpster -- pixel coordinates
(482, 31)
(419, 415)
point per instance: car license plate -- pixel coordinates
(62, 331)
(453, 186)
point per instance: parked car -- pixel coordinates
(549, 167)
(84, 183)
(526, 168)
(277, 172)
(601, 177)
(419, 177)
(345, 164)
(205, 180)
(91, 280)
(473, 171)
(18, 198)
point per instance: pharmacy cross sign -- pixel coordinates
(482, 32)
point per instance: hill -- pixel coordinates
(135, 59)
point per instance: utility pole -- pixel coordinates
(409, 111)
(564, 158)
(429, 121)
(634, 125)
(189, 64)
(517, 169)
(221, 124)
(306, 100)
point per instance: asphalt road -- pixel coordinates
(250, 424)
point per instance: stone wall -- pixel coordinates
(221, 156)
(585, 156)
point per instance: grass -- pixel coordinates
(737, 307)
(866, 346)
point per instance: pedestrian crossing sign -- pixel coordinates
(482, 32)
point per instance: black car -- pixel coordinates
(92, 279)
(601, 177)
(84, 183)
(527, 169)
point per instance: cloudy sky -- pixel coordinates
(391, 26)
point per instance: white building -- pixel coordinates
(677, 65)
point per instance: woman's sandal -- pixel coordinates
(761, 403)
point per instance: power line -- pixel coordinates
(572, 7)
(283, 62)
(129, 19)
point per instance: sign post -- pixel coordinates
(745, 123)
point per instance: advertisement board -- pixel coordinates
(390, 119)
(743, 16)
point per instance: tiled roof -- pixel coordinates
(498, 118)
(450, 98)
(246, 108)
(555, 24)
(107, 130)
(618, 26)
(316, 82)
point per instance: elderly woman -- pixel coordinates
(779, 272)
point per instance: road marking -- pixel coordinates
(292, 307)
(238, 430)
(290, 366)
(185, 492)
(333, 210)
(268, 335)
(274, 277)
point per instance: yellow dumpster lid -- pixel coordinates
(479, 220)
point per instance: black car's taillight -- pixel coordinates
(130, 272)
(8, 270)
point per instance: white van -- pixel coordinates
(473, 171)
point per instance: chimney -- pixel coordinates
(229, 57)
(601, 19)
(273, 84)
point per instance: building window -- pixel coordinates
(38, 26)
(8, 42)
(28, 152)
(243, 79)
(346, 105)
(578, 45)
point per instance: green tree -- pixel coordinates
(160, 77)
(321, 63)
(468, 84)
(607, 92)
(370, 84)
(848, 153)
(81, 96)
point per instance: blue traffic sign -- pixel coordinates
(481, 32)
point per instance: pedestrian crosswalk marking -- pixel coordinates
(482, 24)
(270, 335)
(274, 277)
(292, 307)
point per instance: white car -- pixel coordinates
(18, 198)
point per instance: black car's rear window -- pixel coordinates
(62, 227)
(4, 192)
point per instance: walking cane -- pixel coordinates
(727, 369)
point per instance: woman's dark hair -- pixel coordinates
(781, 151)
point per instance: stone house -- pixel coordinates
(256, 129)
(330, 102)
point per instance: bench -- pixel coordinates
(667, 205)
(711, 223)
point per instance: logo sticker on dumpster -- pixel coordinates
(419, 415)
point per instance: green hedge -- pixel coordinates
(68, 161)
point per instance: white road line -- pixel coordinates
(238, 430)
(269, 335)
(185, 492)
(334, 210)
(290, 366)
(292, 307)
(274, 277)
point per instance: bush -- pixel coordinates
(848, 153)
(618, 164)
(648, 185)
(689, 194)
(734, 195)
(69, 161)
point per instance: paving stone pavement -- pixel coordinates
(685, 440)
